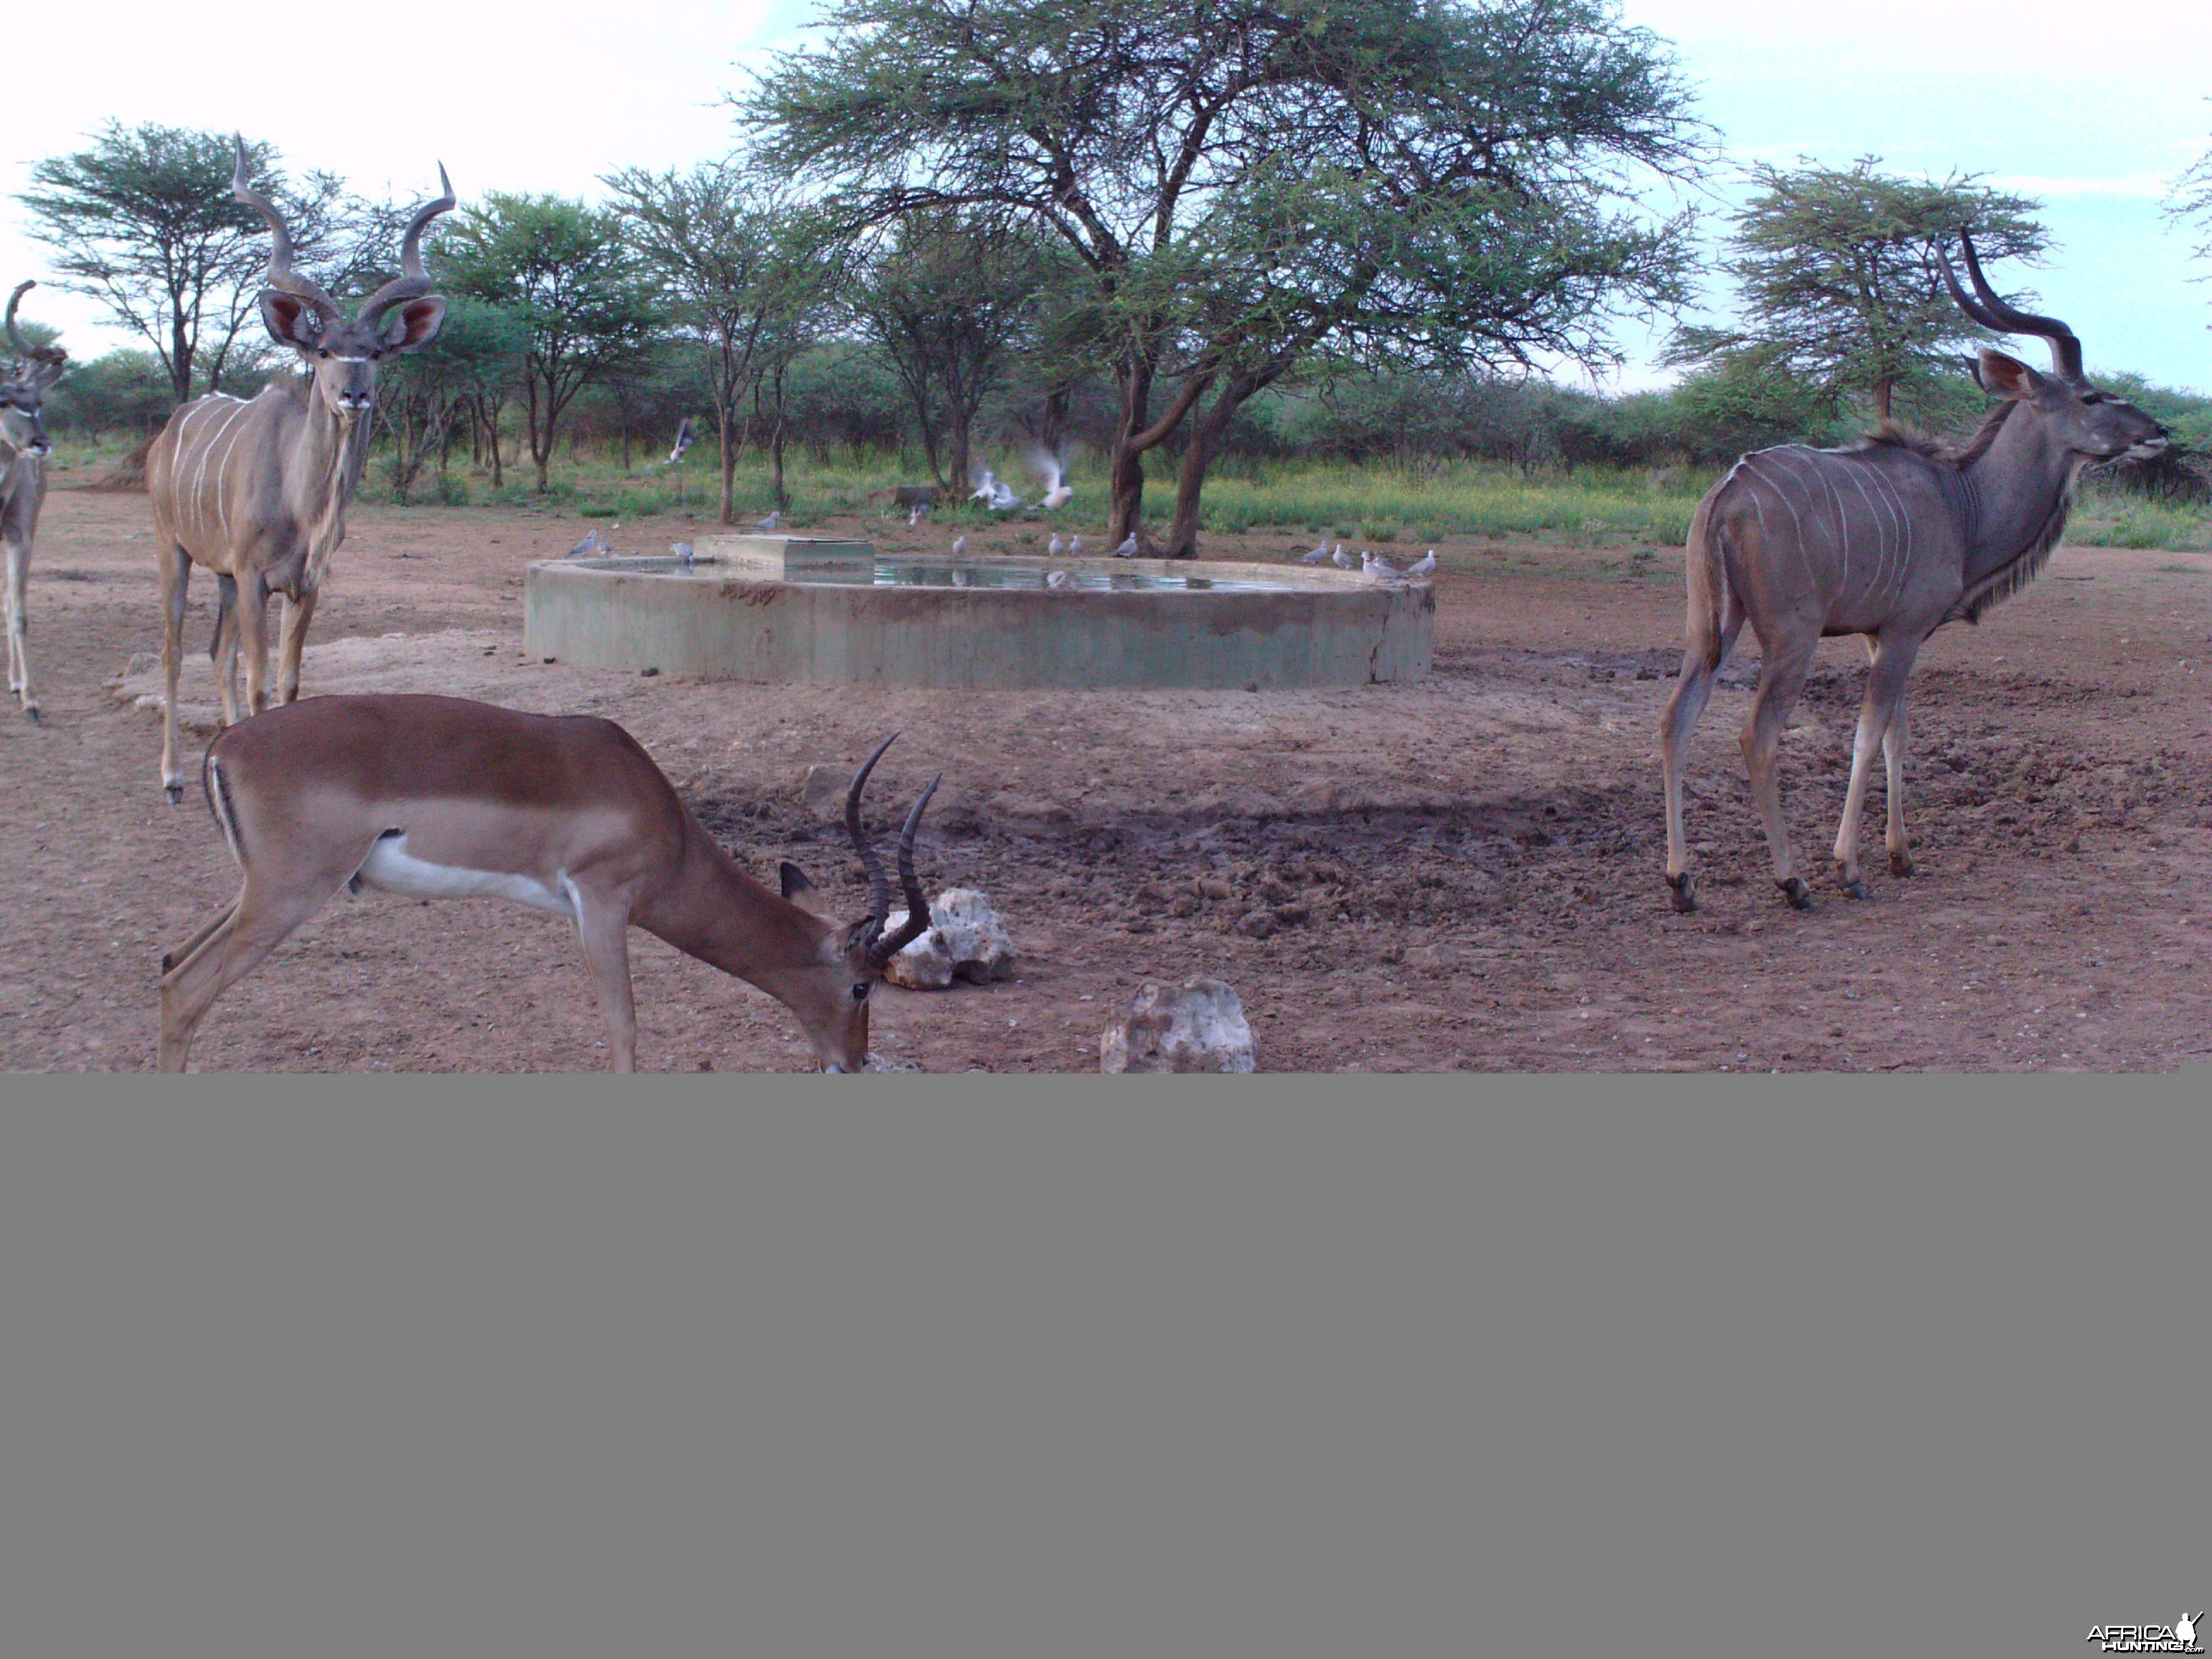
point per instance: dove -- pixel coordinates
(682, 442)
(1054, 476)
(960, 547)
(1128, 549)
(767, 524)
(683, 551)
(1056, 546)
(585, 548)
(1338, 559)
(1059, 579)
(1427, 567)
(1075, 547)
(1381, 568)
(920, 511)
(1319, 555)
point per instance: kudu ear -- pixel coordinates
(416, 325)
(2007, 377)
(293, 321)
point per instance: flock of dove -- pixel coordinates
(995, 494)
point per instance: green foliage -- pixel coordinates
(583, 303)
(144, 222)
(1838, 269)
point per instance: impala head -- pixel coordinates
(2089, 422)
(831, 993)
(23, 385)
(342, 354)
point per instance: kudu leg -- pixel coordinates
(176, 570)
(1701, 666)
(1883, 705)
(1781, 678)
(253, 639)
(291, 639)
(19, 661)
(1893, 755)
(603, 929)
(222, 648)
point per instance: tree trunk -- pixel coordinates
(775, 449)
(1206, 434)
(729, 464)
(1881, 391)
(1125, 468)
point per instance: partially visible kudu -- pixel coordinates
(23, 452)
(1891, 538)
(256, 490)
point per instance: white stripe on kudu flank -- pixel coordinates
(207, 449)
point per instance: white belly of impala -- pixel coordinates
(390, 869)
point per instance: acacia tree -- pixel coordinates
(1246, 181)
(2189, 203)
(710, 237)
(1840, 283)
(144, 222)
(946, 302)
(424, 395)
(560, 270)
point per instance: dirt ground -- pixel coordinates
(1460, 874)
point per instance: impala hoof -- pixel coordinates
(1900, 864)
(1799, 895)
(1683, 890)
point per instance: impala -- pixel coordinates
(1890, 539)
(438, 797)
(257, 490)
(23, 452)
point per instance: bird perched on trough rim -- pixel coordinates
(593, 543)
(960, 546)
(1056, 546)
(1380, 568)
(1053, 475)
(764, 526)
(1128, 549)
(1338, 558)
(1075, 547)
(683, 551)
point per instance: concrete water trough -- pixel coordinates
(837, 612)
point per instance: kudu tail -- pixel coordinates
(1713, 604)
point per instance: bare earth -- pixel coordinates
(1464, 872)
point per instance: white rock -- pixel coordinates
(1199, 1026)
(965, 939)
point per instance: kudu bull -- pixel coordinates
(1891, 539)
(23, 451)
(257, 490)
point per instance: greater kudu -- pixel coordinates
(1891, 539)
(257, 490)
(23, 452)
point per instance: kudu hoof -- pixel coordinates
(1799, 895)
(1900, 864)
(30, 713)
(1682, 890)
(175, 792)
(1852, 886)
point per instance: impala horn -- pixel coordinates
(1993, 312)
(879, 949)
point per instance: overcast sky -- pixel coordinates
(2096, 122)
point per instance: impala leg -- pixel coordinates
(1781, 678)
(19, 661)
(263, 915)
(1701, 665)
(175, 570)
(603, 929)
(292, 638)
